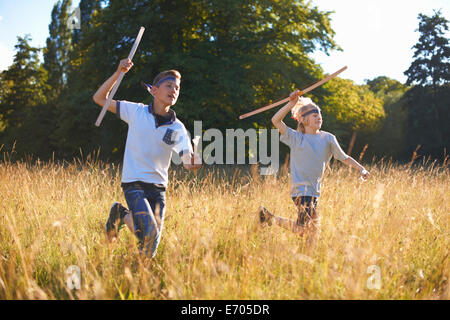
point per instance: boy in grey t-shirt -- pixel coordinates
(311, 150)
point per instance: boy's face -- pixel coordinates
(313, 120)
(167, 92)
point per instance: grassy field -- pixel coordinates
(386, 238)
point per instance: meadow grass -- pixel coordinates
(395, 225)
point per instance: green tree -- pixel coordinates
(349, 109)
(23, 98)
(5, 87)
(76, 112)
(427, 103)
(389, 90)
(427, 120)
(389, 140)
(233, 56)
(58, 47)
(431, 65)
(25, 80)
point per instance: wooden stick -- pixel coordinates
(301, 92)
(116, 85)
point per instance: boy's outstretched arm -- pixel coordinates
(102, 93)
(353, 163)
(277, 119)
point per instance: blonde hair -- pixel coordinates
(303, 105)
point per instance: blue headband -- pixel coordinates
(148, 87)
(164, 80)
(309, 112)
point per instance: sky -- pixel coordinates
(376, 35)
(21, 17)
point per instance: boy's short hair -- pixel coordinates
(303, 105)
(167, 73)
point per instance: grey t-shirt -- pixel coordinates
(310, 154)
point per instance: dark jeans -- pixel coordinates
(307, 212)
(147, 203)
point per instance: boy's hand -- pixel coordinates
(364, 174)
(191, 161)
(125, 65)
(293, 97)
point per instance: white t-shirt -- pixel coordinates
(149, 147)
(310, 154)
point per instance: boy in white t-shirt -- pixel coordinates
(154, 132)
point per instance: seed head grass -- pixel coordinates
(385, 238)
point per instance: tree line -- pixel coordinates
(234, 56)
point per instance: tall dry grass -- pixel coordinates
(52, 216)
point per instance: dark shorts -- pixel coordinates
(307, 210)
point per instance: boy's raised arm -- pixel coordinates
(277, 119)
(102, 93)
